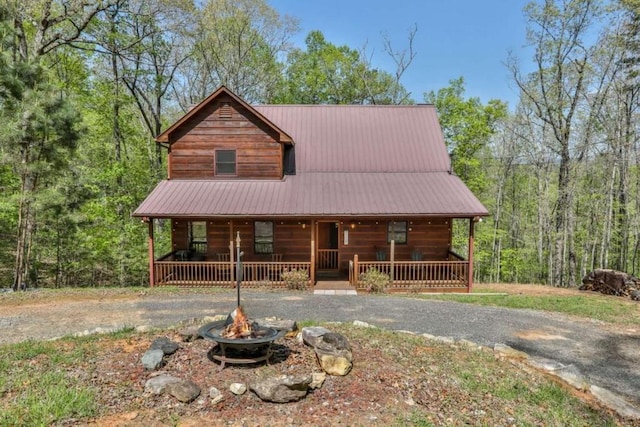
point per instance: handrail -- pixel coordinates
(215, 273)
(416, 275)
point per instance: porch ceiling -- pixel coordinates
(316, 194)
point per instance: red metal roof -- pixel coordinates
(362, 138)
(350, 160)
(317, 194)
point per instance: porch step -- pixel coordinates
(336, 287)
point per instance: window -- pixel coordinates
(198, 236)
(225, 162)
(397, 230)
(263, 237)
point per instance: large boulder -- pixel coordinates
(282, 388)
(332, 350)
(610, 282)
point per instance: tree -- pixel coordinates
(42, 129)
(557, 31)
(237, 44)
(328, 74)
(467, 126)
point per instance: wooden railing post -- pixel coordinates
(470, 257)
(393, 258)
(312, 267)
(356, 270)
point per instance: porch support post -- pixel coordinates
(232, 275)
(152, 267)
(312, 273)
(472, 222)
(392, 257)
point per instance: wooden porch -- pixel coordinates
(317, 250)
(404, 276)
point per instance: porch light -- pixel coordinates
(353, 225)
(304, 225)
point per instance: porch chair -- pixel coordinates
(417, 255)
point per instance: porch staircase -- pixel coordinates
(332, 283)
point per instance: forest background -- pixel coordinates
(85, 87)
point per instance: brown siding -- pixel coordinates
(258, 152)
(430, 236)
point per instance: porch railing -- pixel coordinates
(209, 273)
(327, 259)
(413, 275)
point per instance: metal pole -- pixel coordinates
(238, 267)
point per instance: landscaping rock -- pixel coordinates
(317, 379)
(282, 388)
(290, 326)
(332, 350)
(189, 334)
(165, 344)
(238, 389)
(184, 390)
(313, 334)
(215, 395)
(152, 359)
(159, 384)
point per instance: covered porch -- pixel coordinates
(415, 253)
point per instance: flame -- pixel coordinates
(240, 328)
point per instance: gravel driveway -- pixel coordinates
(608, 360)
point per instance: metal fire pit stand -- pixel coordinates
(223, 358)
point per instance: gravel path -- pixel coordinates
(606, 359)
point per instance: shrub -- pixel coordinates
(295, 279)
(375, 280)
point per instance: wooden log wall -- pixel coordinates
(225, 124)
(430, 236)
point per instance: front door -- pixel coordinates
(327, 257)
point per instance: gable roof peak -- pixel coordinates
(164, 137)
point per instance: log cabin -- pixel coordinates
(328, 192)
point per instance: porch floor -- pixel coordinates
(334, 287)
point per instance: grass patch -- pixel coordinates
(38, 385)
(606, 309)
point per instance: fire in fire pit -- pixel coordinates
(241, 327)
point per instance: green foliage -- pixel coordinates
(296, 278)
(467, 125)
(330, 74)
(375, 280)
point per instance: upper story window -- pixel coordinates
(225, 162)
(397, 231)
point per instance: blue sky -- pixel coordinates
(468, 38)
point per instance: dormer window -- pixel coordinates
(225, 162)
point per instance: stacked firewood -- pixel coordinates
(612, 282)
